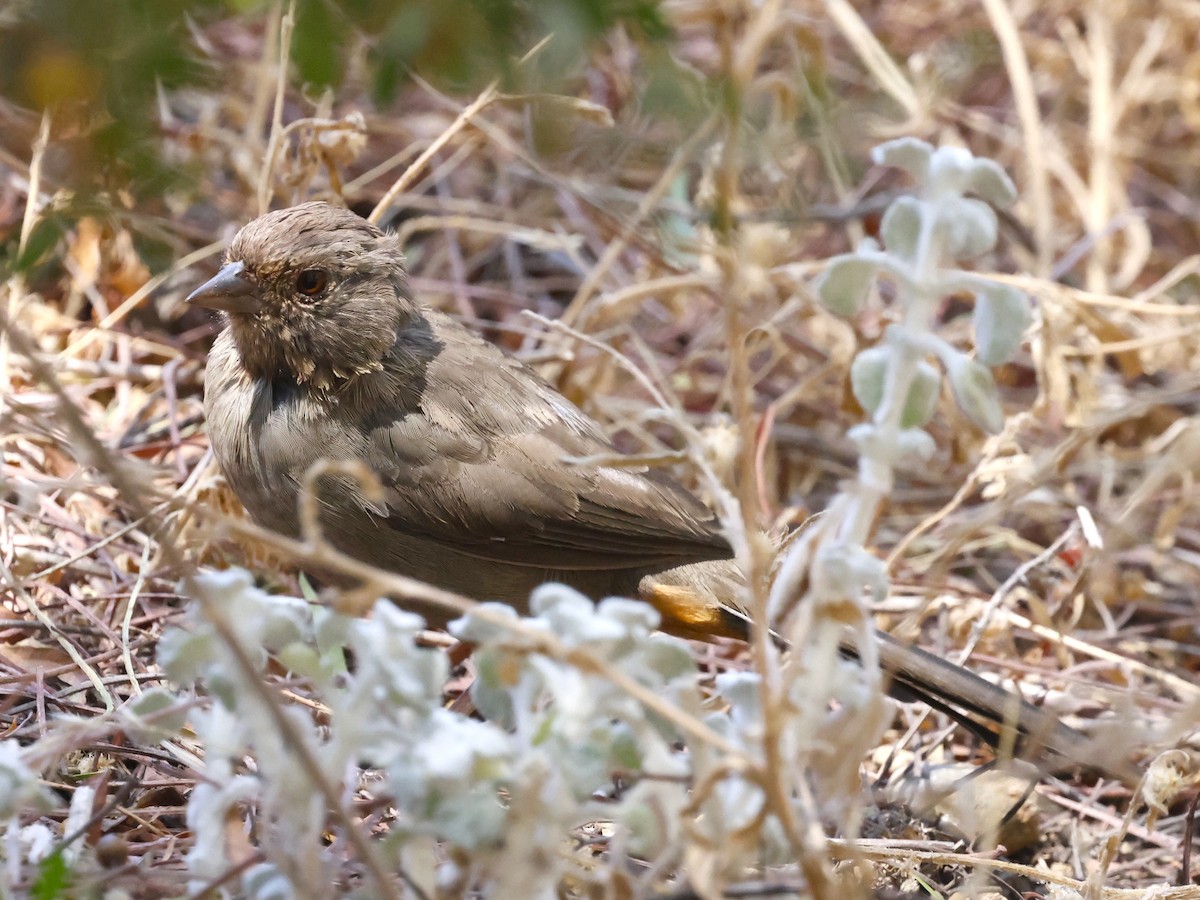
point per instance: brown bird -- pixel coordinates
(326, 355)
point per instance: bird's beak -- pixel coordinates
(230, 290)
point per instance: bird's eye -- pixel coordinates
(312, 282)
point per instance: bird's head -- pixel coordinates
(314, 293)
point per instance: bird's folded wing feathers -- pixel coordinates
(517, 503)
(481, 462)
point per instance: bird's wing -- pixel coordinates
(480, 459)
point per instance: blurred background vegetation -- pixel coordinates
(125, 91)
(103, 75)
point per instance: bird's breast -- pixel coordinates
(248, 431)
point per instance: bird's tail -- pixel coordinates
(690, 609)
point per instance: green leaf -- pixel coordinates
(867, 374)
(317, 42)
(901, 227)
(845, 284)
(54, 877)
(910, 154)
(43, 238)
(307, 590)
(922, 399)
(976, 393)
(1002, 313)
(967, 227)
(991, 182)
(157, 715)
